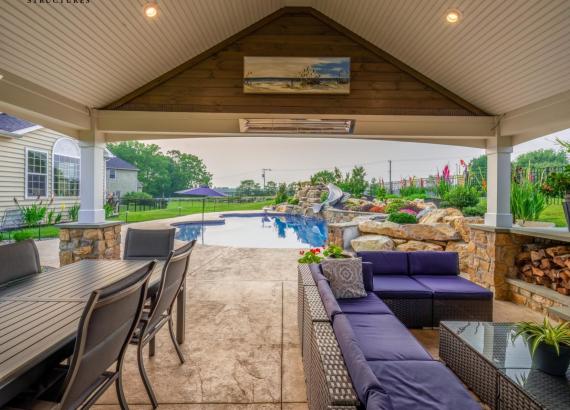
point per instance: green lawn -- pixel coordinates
(188, 207)
(175, 208)
(553, 213)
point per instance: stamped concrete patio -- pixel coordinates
(242, 346)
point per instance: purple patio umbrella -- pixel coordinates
(204, 192)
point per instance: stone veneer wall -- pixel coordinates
(535, 300)
(492, 253)
(77, 242)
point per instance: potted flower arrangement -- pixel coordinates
(549, 345)
(316, 255)
(310, 256)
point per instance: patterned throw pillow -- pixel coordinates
(345, 277)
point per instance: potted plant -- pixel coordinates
(335, 252)
(549, 345)
(310, 256)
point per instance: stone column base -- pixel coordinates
(79, 241)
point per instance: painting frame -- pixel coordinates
(296, 75)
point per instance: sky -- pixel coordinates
(295, 159)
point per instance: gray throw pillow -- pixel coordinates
(345, 277)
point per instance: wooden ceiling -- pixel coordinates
(502, 56)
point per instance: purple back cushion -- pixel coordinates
(434, 263)
(386, 263)
(368, 276)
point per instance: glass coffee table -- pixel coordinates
(499, 370)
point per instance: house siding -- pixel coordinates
(12, 168)
(126, 180)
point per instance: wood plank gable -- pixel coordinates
(213, 80)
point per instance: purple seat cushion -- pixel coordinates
(368, 276)
(453, 287)
(370, 304)
(433, 263)
(363, 380)
(317, 272)
(386, 263)
(422, 385)
(384, 337)
(398, 286)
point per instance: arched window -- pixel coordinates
(66, 163)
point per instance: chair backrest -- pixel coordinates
(173, 277)
(149, 243)
(19, 259)
(12, 219)
(105, 329)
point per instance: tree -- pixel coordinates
(161, 174)
(541, 158)
(248, 187)
(355, 182)
(270, 188)
(323, 177)
(188, 170)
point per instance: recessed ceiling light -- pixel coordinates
(151, 9)
(453, 16)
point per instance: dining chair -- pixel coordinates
(19, 259)
(106, 326)
(148, 243)
(159, 312)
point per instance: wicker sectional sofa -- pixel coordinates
(358, 353)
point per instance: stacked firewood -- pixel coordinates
(546, 266)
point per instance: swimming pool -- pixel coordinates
(257, 231)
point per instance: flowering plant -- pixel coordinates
(310, 256)
(408, 211)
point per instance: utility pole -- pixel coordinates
(390, 175)
(263, 171)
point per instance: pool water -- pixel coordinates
(258, 231)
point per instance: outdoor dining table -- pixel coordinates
(39, 315)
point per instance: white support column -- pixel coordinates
(499, 182)
(92, 180)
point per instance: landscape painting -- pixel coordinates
(296, 75)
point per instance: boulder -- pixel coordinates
(412, 246)
(419, 232)
(432, 232)
(387, 228)
(461, 224)
(439, 215)
(372, 243)
(462, 249)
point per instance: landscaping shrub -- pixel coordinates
(394, 205)
(281, 195)
(140, 198)
(293, 201)
(377, 208)
(366, 208)
(444, 204)
(474, 210)
(412, 191)
(527, 202)
(408, 211)
(73, 213)
(416, 196)
(402, 218)
(22, 236)
(324, 196)
(462, 196)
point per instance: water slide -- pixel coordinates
(336, 196)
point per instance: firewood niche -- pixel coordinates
(546, 265)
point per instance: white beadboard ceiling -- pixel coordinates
(503, 55)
